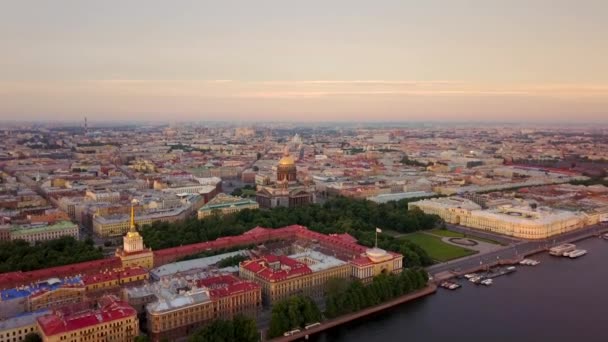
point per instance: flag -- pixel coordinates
(378, 230)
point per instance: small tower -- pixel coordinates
(133, 252)
(133, 242)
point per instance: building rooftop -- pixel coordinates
(22, 320)
(383, 198)
(192, 265)
(176, 292)
(450, 202)
(148, 215)
(276, 267)
(222, 200)
(50, 284)
(42, 227)
(114, 274)
(12, 279)
(226, 285)
(65, 320)
(317, 261)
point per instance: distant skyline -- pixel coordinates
(518, 60)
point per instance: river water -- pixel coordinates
(559, 300)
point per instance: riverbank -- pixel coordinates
(431, 288)
(532, 304)
(533, 249)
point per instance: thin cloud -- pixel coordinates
(359, 82)
(319, 94)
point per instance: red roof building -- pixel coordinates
(276, 268)
(226, 285)
(109, 320)
(14, 279)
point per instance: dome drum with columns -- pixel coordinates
(287, 191)
(286, 170)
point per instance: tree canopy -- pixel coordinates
(231, 261)
(292, 313)
(19, 255)
(32, 337)
(240, 329)
(411, 162)
(344, 296)
(339, 215)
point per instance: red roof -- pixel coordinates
(361, 261)
(345, 237)
(259, 235)
(285, 267)
(227, 285)
(13, 279)
(62, 321)
(115, 274)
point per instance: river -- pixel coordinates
(559, 300)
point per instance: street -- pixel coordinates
(515, 249)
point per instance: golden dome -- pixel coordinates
(287, 161)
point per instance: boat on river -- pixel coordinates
(577, 253)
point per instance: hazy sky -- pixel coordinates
(304, 60)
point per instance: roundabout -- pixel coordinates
(463, 241)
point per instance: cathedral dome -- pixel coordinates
(287, 161)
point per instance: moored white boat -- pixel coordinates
(561, 249)
(577, 253)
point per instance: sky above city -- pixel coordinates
(336, 60)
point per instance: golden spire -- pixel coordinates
(132, 226)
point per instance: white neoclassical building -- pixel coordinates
(521, 221)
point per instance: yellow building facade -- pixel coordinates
(220, 297)
(17, 328)
(520, 221)
(282, 277)
(55, 298)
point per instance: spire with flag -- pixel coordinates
(378, 230)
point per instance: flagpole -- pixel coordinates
(376, 238)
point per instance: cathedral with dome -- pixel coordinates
(287, 190)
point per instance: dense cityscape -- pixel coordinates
(323, 171)
(162, 232)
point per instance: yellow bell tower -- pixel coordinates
(133, 252)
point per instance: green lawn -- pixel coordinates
(437, 249)
(445, 233)
(449, 233)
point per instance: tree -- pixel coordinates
(384, 287)
(292, 313)
(245, 329)
(358, 218)
(32, 337)
(19, 255)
